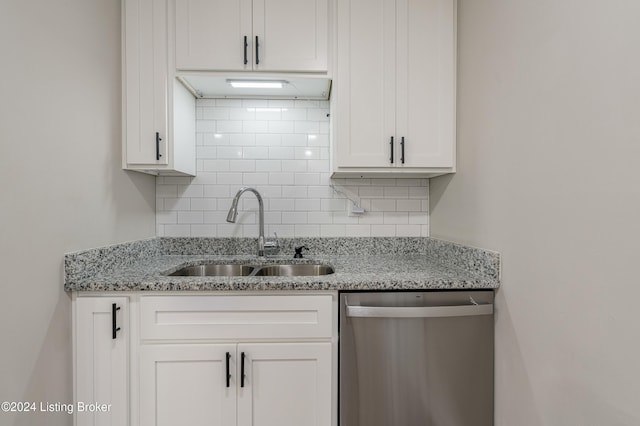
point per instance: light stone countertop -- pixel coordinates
(359, 264)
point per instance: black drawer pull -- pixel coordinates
(402, 150)
(245, 50)
(114, 321)
(228, 373)
(257, 47)
(158, 139)
(391, 143)
(242, 369)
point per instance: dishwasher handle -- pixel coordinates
(419, 312)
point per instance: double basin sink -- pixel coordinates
(239, 270)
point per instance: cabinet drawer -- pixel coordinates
(235, 317)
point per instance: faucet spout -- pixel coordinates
(233, 215)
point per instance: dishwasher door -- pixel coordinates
(416, 358)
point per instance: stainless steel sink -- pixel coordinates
(294, 270)
(237, 270)
(213, 270)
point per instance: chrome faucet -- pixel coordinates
(233, 214)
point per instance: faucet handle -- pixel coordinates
(298, 250)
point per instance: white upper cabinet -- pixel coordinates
(158, 112)
(394, 103)
(246, 35)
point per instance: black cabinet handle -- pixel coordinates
(245, 50)
(114, 322)
(228, 373)
(257, 47)
(242, 369)
(158, 139)
(391, 143)
(402, 150)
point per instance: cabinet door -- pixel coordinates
(145, 85)
(101, 360)
(187, 385)
(286, 384)
(425, 82)
(210, 34)
(292, 35)
(365, 83)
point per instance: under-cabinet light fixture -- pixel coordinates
(257, 84)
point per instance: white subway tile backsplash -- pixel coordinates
(307, 230)
(285, 126)
(307, 178)
(294, 140)
(225, 126)
(243, 139)
(281, 178)
(256, 152)
(408, 230)
(216, 191)
(408, 205)
(320, 217)
(268, 165)
(395, 218)
(421, 218)
(254, 178)
(242, 165)
(166, 191)
(191, 191)
(230, 178)
(203, 230)
(215, 166)
(333, 230)
(175, 204)
(177, 231)
(229, 152)
(280, 147)
(309, 205)
(281, 204)
(214, 113)
(268, 140)
(291, 191)
(383, 230)
(383, 205)
(204, 204)
(294, 166)
(191, 217)
(294, 217)
(396, 191)
(281, 153)
(166, 217)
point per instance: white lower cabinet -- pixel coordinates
(186, 385)
(215, 360)
(284, 384)
(101, 338)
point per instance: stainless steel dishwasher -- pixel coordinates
(416, 358)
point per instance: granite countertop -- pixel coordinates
(380, 264)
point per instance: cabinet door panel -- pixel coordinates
(293, 34)
(365, 83)
(101, 361)
(285, 385)
(425, 87)
(210, 34)
(186, 385)
(145, 85)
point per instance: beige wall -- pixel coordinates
(62, 187)
(549, 160)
